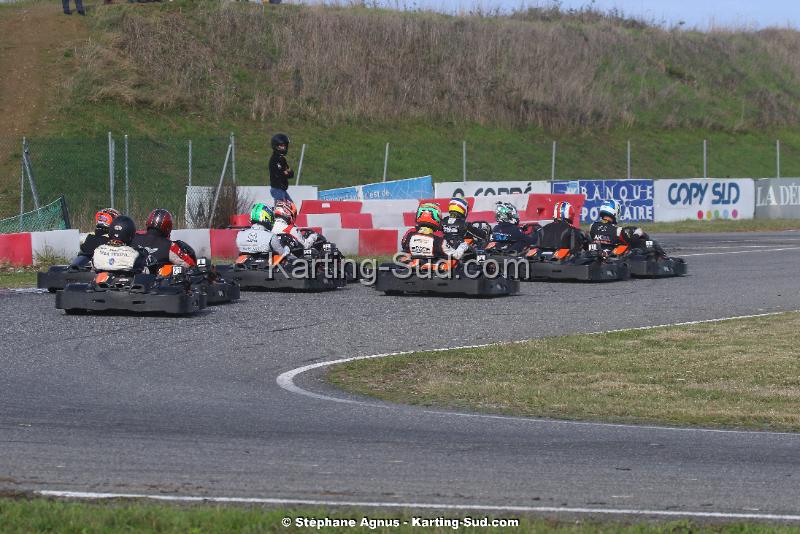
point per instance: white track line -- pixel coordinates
(740, 252)
(417, 505)
(286, 381)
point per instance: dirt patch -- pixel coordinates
(37, 45)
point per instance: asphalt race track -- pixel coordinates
(190, 406)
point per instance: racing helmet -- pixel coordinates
(122, 229)
(286, 210)
(104, 217)
(609, 208)
(261, 214)
(280, 143)
(160, 220)
(505, 212)
(429, 215)
(563, 211)
(458, 207)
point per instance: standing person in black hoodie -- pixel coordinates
(279, 171)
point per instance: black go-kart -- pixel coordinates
(214, 281)
(592, 265)
(319, 268)
(648, 260)
(133, 292)
(470, 276)
(58, 276)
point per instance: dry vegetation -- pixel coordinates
(537, 67)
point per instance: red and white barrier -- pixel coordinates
(26, 248)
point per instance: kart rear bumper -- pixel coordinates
(81, 297)
(391, 280)
(276, 279)
(642, 267)
(58, 276)
(589, 272)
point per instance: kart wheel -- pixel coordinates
(51, 290)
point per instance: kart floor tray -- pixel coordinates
(79, 298)
(221, 292)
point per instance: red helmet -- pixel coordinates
(103, 218)
(286, 210)
(161, 220)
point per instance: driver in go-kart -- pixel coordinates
(118, 254)
(507, 232)
(457, 230)
(561, 234)
(285, 215)
(91, 241)
(426, 240)
(160, 249)
(606, 233)
(259, 238)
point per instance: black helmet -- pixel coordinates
(122, 229)
(280, 140)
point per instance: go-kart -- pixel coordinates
(592, 265)
(319, 268)
(473, 275)
(648, 260)
(133, 292)
(58, 276)
(213, 281)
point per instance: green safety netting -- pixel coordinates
(53, 216)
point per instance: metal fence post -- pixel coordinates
(385, 161)
(464, 160)
(705, 158)
(190, 162)
(127, 195)
(778, 158)
(21, 193)
(111, 168)
(233, 157)
(629, 159)
(300, 165)
(219, 187)
(553, 163)
(26, 159)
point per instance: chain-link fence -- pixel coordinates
(148, 173)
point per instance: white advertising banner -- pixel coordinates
(704, 199)
(489, 189)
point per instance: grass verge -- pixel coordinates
(742, 373)
(17, 277)
(45, 515)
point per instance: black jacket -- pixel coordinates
(279, 172)
(156, 246)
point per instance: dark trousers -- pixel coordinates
(78, 5)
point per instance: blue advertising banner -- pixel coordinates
(410, 188)
(634, 196)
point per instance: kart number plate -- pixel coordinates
(594, 246)
(648, 244)
(481, 257)
(307, 252)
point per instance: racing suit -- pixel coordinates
(89, 244)
(425, 243)
(114, 257)
(258, 240)
(282, 227)
(457, 230)
(560, 234)
(512, 237)
(608, 234)
(157, 247)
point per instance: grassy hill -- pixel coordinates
(347, 80)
